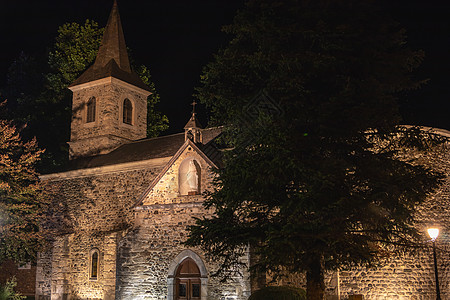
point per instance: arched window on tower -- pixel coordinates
(93, 264)
(190, 135)
(90, 110)
(127, 112)
(189, 177)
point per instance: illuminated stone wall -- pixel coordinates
(88, 212)
(108, 131)
(412, 276)
(138, 245)
(165, 191)
(406, 277)
(149, 249)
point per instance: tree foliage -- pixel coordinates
(21, 200)
(74, 50)
(156, 121)
(314, 180)
(38, 95)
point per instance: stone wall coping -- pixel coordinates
(169, 206)
(124, 167)
(109, 80)
(433, 130)
(438, 131)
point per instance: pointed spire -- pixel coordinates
(112, 57)
(113, 43)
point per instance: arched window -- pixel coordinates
(127, 112)
(189, 177)
(94, 264)
(190, 135)
(187, 281)
(90, 110)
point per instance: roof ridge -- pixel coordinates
(153, 138)
(169, 135)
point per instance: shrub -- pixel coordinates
(279, 293)
(7, 290)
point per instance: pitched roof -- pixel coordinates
(112, 57)
(212, 151)
(135, 151)
(146, 149)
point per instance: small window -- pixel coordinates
(24, 266)
(127, 112)
(94, 264)
(90, 110)
(190, 135)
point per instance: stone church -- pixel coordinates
(125, 201)
(122, 207)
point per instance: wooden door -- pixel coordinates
(188, 284)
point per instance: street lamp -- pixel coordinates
(433, 233)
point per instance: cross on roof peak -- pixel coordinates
(193, 106)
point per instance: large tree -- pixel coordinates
(315, 179)
(21, 200)
(38, 95)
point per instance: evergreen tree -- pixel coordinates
(315, 179)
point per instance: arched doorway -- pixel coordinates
(187, 280)
(177, 272)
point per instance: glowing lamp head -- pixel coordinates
(433, 233)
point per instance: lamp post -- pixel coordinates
(433, 233)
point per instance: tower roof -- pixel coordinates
(112, 57)
(193, 123)
(113, 43)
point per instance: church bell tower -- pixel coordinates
(193, 128)
(109, 105)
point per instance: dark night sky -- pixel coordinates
(175, 38)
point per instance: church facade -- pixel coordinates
(121, 210)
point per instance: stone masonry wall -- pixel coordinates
(43, 275)
(166, 190)
(108, 118)
(405, 277)
(89, 212)
(148, 250)
(70, 265)
(412, 276)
